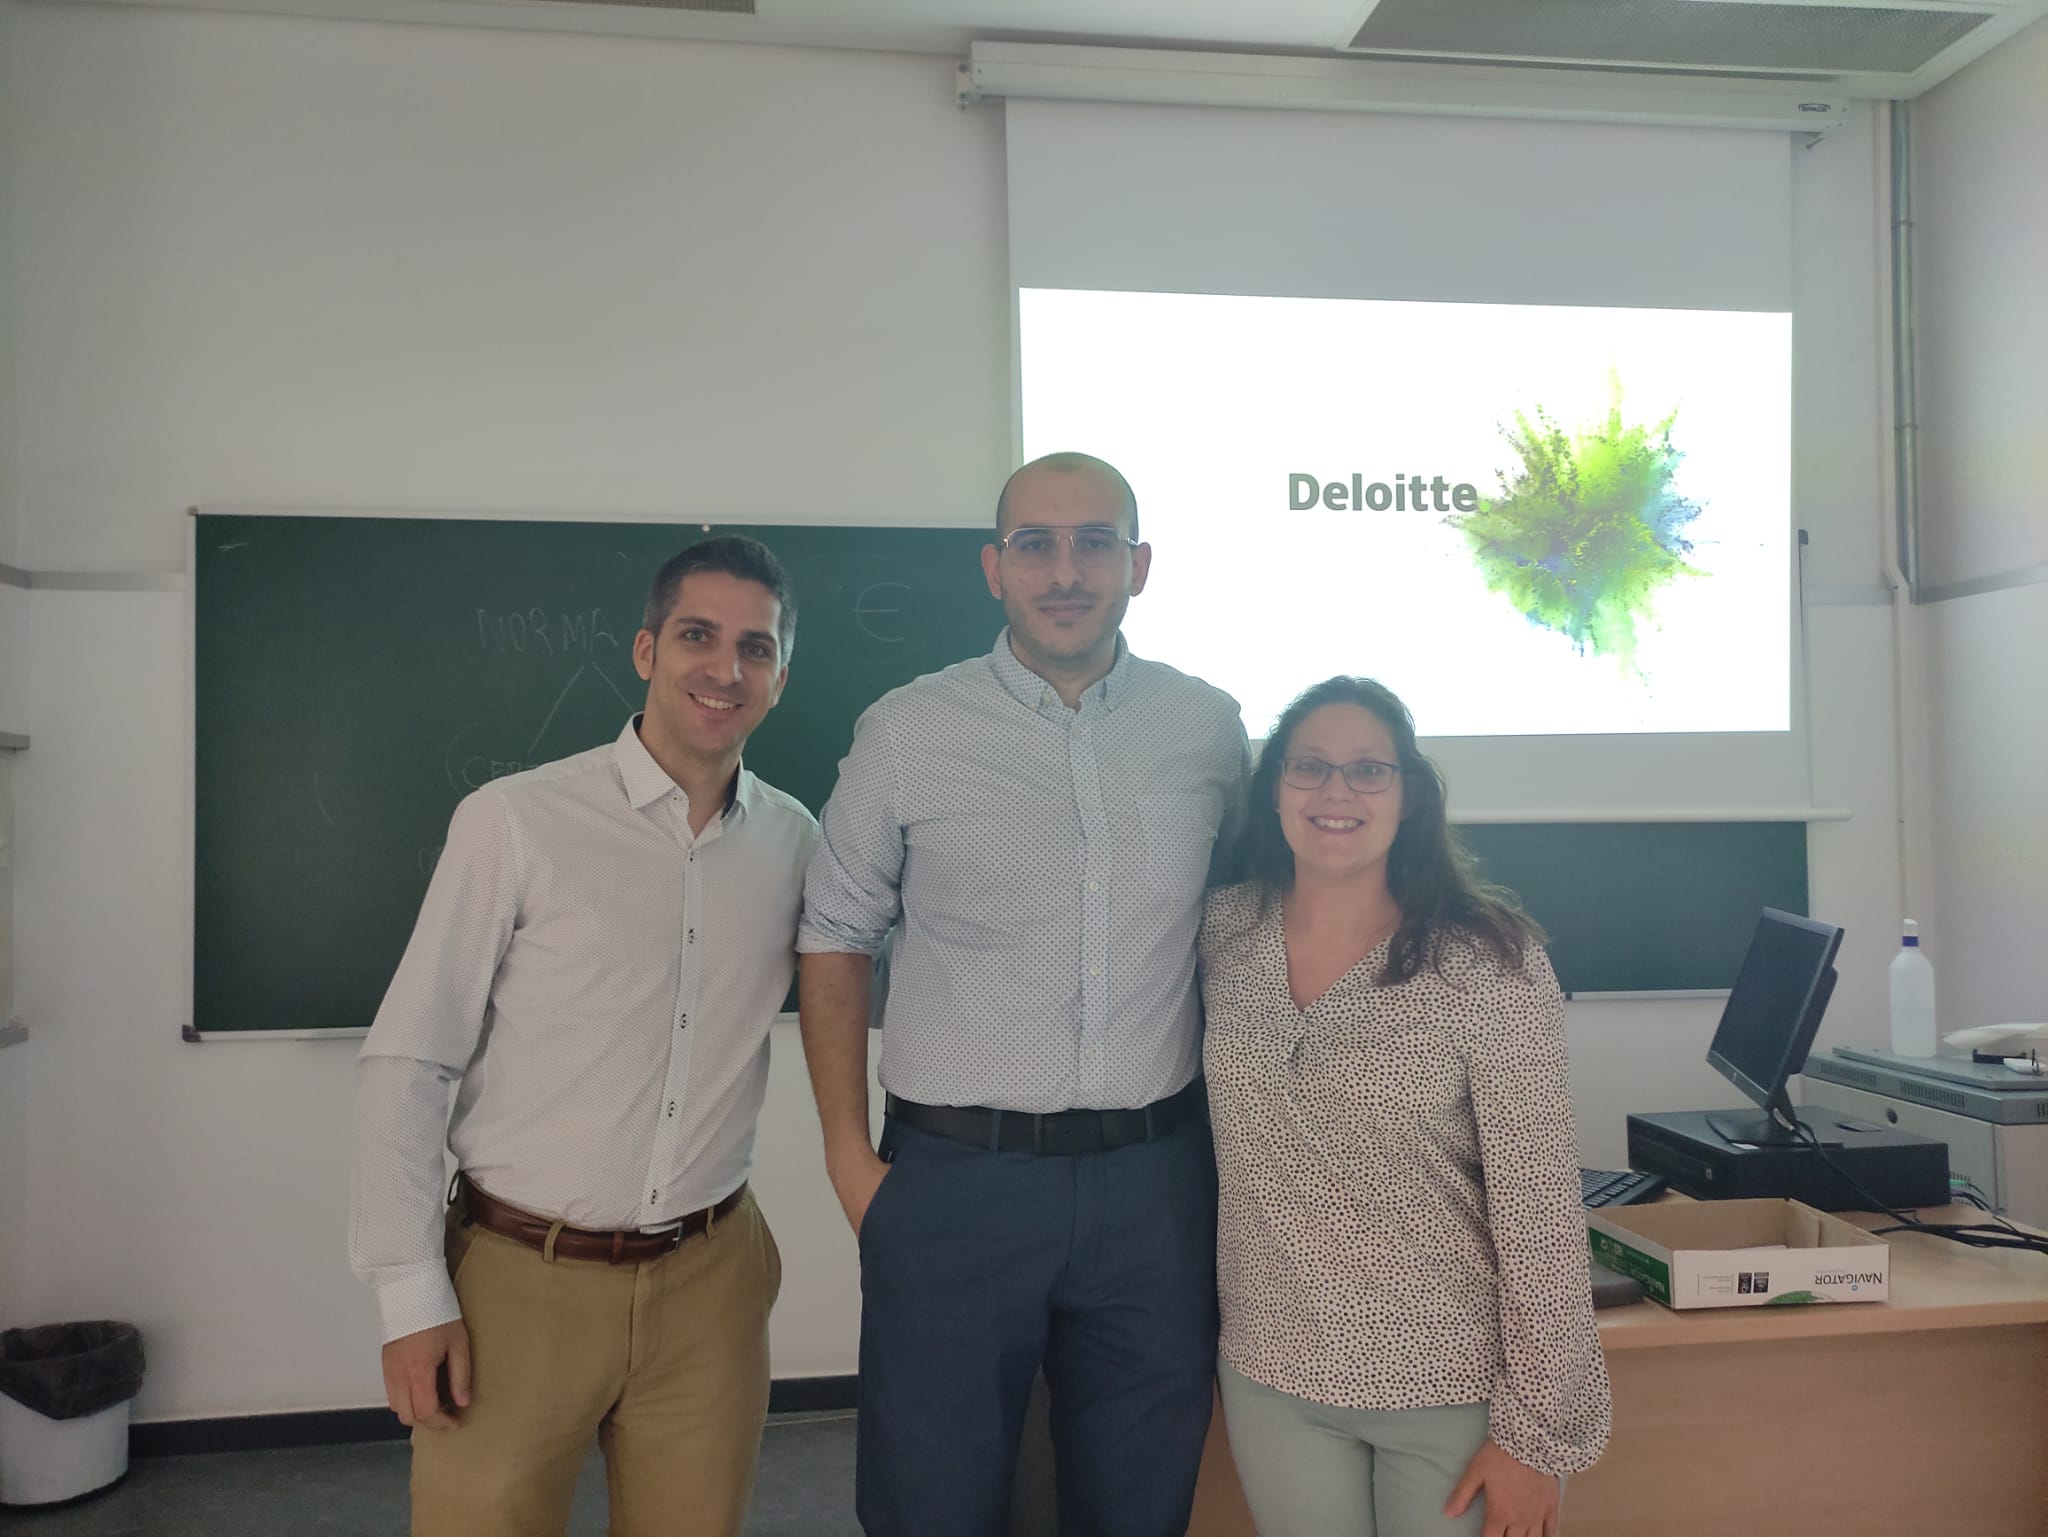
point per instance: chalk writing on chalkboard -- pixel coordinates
(480, 751)
(880, 613)
(543, 633)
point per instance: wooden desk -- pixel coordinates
(1923, 1416)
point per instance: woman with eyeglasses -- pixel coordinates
(1408, 1344)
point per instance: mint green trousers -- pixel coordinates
(1313, 1471)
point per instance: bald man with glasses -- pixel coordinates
(1038, 824)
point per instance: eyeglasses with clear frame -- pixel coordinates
(1094, 545)
(1368, 776)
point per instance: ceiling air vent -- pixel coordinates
(1732, 36)
(721, 7)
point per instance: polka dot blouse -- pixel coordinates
(1400, 1220)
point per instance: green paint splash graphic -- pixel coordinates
(1588, 530)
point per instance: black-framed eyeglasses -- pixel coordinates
(1368, 776)
(1093, 544)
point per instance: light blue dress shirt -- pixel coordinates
(1047, 867)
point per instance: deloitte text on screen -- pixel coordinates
(1304, 491)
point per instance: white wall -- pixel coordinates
(279, 262)
(1981, 211)
(13, 1069)
(282, 263)
(13, 677)
(1991, 808)
(271, 261)
(10, 503)
(1981, 202)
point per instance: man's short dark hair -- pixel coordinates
(1070, 463)
(736, 555)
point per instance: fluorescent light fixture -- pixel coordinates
(1177, 78)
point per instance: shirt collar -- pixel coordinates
(647, 781)
(1032, 691)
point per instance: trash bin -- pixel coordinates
(64, 1392)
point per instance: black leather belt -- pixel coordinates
(1061, 1134)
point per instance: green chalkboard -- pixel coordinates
(355, 677)
(1646, 906)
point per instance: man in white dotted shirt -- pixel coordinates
(601, 948)
(1039, 821)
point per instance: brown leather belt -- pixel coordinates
(557, 1240)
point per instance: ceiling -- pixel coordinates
(1863, 47)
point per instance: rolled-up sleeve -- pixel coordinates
(1551, 1408)
(852, 892)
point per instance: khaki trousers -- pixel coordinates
(666, 1362)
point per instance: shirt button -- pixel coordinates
(1094, 971)
(1095, 885)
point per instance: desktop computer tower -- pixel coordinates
(1899, 1169)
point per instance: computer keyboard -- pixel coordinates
(1617, 1187)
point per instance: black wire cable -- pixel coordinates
(1996, 1234)
(1964, 1187)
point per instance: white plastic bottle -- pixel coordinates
(1912, 997)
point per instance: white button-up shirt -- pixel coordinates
(1047, 867)
(600, 981)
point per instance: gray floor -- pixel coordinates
(805, 1489)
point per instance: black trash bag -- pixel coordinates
(65, 1371)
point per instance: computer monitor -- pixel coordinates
(1769, 1023)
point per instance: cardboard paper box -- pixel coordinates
(1740, 1254)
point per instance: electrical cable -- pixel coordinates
(1996, 1234)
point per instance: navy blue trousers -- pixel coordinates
(978, 1269)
